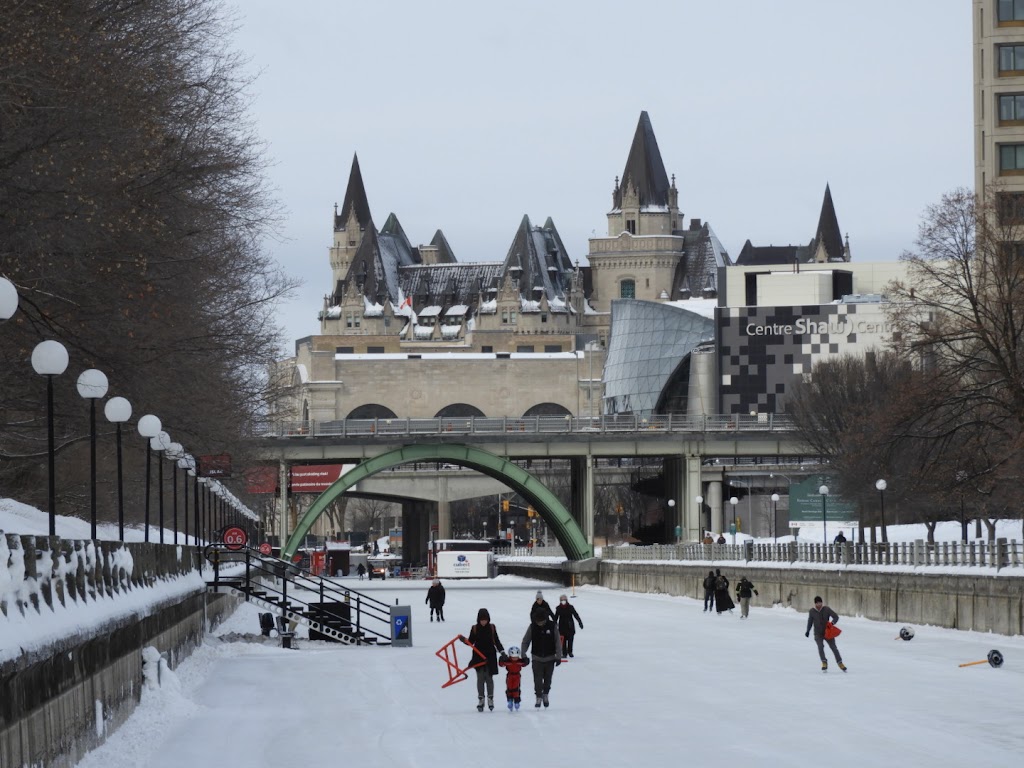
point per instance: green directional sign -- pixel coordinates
(805, 505)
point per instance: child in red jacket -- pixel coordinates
(513, 663)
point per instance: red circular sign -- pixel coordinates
(265, 548)
(235, 537)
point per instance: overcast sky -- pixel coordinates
(468, 115)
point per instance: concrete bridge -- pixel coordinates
(686, 445)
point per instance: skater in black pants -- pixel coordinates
(565, 613)
(723, 602)
(709, 591)
(817, 618)
(542, 634)
(484, 637)
(435, 598)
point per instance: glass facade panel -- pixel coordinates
(648, 343)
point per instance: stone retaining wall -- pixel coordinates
(973, 602)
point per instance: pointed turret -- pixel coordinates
(828, 241)
(645, 171)
(355, 203)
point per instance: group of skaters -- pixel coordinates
(820, 618)
(550, 634)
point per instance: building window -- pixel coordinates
(344, 350)
(1011, 59)
(375, 350)
(486, 348)
(552, 347)
(1011, 158)
(524, 348)
(1011, 108)
(627, 289)
(631, 226)
(1011, 208)
(543, 317)
(1010, 10)
(504, 317)
(512, 317)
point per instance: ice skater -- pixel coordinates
(542, 634)
(435, 598)
(817, 618)
(513, 664)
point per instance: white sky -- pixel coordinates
(655, 681)
(468, 116)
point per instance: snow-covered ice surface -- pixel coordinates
(654, 679)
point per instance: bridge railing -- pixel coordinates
(482, 425)
(998, 554)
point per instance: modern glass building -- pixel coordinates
(648, 368)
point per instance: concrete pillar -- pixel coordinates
(444, 512)
(692, 513)
(588, 501)
(282, 528)
(713, 499)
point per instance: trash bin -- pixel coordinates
(401, 626)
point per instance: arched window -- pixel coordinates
(458, 411)
(627, 289)
(547, 409)
(372, 411)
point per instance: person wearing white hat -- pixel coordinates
(540, 606)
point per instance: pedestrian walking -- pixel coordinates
(709, 591)
(540, 605)
(484, 637)
(721, 539)
(361, 570)
(564, 615)
(840, 538)
(743, 591)
(435, 599)
(822, 620)
(723, 602)
(542, 634)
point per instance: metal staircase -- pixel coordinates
(294, 596)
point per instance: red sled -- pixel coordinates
(446, 653)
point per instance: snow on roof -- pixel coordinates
(333, 312)
(372, 308)
(300, 369)
(431, 311)
(450, 331)
(702, 307)
(529, 306)
(457, 310)
(488, 307)
(423, 331)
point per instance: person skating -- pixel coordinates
(513, 664)
(709, 591)
(540, 605)
(743, 592)
(564, 615)
(817, 618)
(723, 602)
(435, 598)
(484, 637)
(542, 634)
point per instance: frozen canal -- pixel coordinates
(655, 679)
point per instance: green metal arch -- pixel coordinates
(518, 479)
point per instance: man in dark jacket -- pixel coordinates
(723, 602)
(564, 615)
(817, 618)
(435, 599)
(540, 605)
(484, 637)
(709, 591)
(744, 591)
(542, 634)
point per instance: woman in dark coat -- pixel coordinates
(722, 600)
(435, 598)
(565, 613)
(484, 637)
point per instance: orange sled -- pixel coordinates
(457, 674)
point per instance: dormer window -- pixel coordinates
(631, 226)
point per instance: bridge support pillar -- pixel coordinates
(689, 510)
(714, 500)
(444, 510)
(581, 503)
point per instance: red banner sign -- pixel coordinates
(316, 478)
(214, 466)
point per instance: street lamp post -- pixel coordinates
(775, 514)
(118, 411)
(734, 501)
(174, 454)
(160, 444)
(823, 490)
(678, 527)
(49, 359)
(881, 486)
(182, 464)
(92, 386)
(149, 427)
(700, 502)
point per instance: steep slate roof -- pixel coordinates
(444, 251)
(540, 256)
(644, 168)
(697, 269)
(828, 233)
(355, 199)
(445, 285)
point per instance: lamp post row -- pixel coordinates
(49, 359)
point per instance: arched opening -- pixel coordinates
(548, 409)
(551, 510)
(372, 411)
(458, 411)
